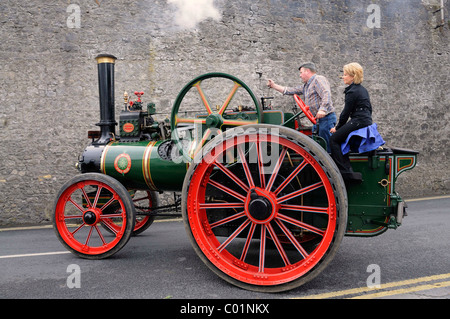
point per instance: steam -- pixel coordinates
(191, 12)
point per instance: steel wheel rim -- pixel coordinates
(86, 236)
(235, 264)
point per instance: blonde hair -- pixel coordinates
(356, 71)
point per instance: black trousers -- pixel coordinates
(342, 161)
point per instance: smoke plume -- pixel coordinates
(191, 12)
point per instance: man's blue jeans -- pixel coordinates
(325, 125)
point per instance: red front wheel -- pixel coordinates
(82, 205)
(265, 207)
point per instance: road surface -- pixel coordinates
(411, 262)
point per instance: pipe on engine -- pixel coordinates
(107, 122)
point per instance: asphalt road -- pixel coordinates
(413, 262)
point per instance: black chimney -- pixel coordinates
(107, 122)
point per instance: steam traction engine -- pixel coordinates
(262, 201)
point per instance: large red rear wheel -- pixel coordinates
(82, 205)
(265, 207)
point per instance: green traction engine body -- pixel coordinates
(145, 156)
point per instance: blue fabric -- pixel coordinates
(368, 140)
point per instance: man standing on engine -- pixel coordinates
(317, 95)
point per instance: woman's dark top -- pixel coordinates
(357, 106)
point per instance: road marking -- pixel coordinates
(427, 198)
(176, 219)
(26, 228)
(35, 254)
(404, 290)
(384, 286)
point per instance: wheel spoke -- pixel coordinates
(108, 203)
(238, 122)
(227, 190)
(301, 191)
(311, 209)
(97, 196)
(86, 197)
(233, 235)
(276, 169)
(88, 237)
(300, 224)
(292, 239)
(100, 235)
(110, 225)
(78, 228)
(76, 205)
(296, 171)
(189, 120)
(221, 205)
(118, 215)
(203, 97)
(230, 96)
(232, 176)
(73, 217)
(248, 174)
(260, 165)
(278, 245)
(228, 219)
(262, 249)
(247, 242)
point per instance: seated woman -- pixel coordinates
(359, 110)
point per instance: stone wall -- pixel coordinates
(48, 77)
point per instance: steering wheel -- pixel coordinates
(202, 110)
(304, 108)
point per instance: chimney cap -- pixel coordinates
(105, 58)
